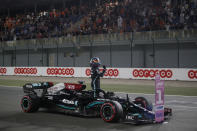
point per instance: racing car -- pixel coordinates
(72, 98)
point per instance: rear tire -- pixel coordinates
(29, 103)
(111, 111)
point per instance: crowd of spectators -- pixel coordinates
(107, 16)
(141, 15)
(45, 24)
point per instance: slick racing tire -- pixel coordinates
(143, 102)
(29, 103)
(111, 111)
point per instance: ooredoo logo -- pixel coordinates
(192, 74)
(60, 71)
(25, 70)
(88, 72)
(3, 70)
(151, 73)
(109, 72)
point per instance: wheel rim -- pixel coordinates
(25, 103)
(107, 112)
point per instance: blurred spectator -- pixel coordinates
(101, 17)
(120, 21)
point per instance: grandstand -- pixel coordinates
(103, 17)
(123, 33)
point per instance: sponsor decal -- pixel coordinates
(53, 89)
(130, 117)
(192, 74)
(146, 73)
(71, 87)
(109, 72)
(25, 70)
(60, 71)
(68, 102)
(159, 107)
(50, 97)
(3, 71)
(158, 115)
(28, 86)
(133, 116)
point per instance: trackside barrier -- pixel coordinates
(183, 74)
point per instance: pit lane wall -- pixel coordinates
(183, 74)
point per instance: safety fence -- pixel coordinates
(99, 38)
(183, 74)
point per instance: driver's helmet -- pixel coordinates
(95, 62)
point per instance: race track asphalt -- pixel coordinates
(13, 119)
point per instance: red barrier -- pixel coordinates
(88, 72)
(60, 71)
(192, 74)
(151, 73)
(109, 72)
(25, 70)
(3, 70)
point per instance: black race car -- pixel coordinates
(74, 99)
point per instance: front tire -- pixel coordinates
(143, 102)
(29, 104)
(111, 111)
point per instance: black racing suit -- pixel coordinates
(95, 76)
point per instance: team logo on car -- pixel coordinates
(68, 102)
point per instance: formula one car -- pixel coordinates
(74, 99)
